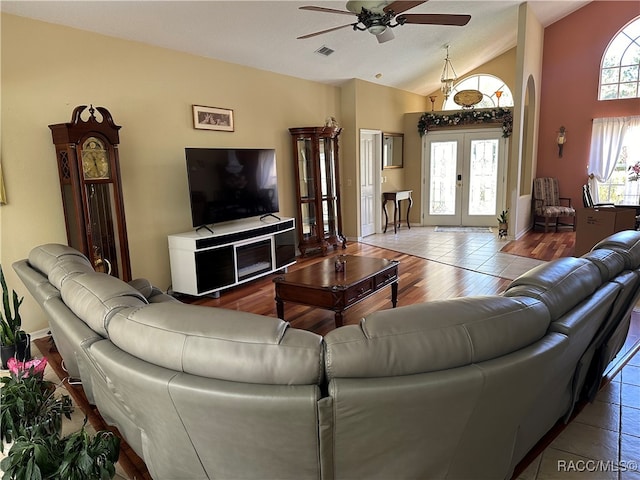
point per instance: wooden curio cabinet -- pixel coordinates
(315, 151)
(89, 171)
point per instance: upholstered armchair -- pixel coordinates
(549, 207)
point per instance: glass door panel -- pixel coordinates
(483, 177)
(327, 167)
(329, 207)
(322, 147)
(305, 167)
(308, 226)
(464, 174)
(443, 172)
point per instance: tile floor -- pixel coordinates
(603, 441)
(472, 251)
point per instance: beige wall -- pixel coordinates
(372, 107)
(48, 70)
(529, 68)
(504, 67)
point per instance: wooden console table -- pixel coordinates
(396, 197)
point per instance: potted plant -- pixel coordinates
(77, 456)
(31, 417)
(503, 224)
(14, 342)
(28, 405)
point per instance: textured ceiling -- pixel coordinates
(262, 34)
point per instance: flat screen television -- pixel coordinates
(231, 183)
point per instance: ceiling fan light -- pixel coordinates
(377, 6)
(377, 29)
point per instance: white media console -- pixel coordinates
(204, 263)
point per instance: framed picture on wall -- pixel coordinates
(212, 118)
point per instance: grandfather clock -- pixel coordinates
(89, 171)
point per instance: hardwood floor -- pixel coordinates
(543, 246)
(420, 281)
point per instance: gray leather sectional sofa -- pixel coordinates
(457, 389)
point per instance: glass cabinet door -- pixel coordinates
(329, 187)
(308, 220)
(316, 160)
(306, 168)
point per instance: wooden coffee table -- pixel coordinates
(320, 285)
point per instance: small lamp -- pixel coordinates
(561, 139)
(433, 101)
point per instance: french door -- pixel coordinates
(463, 176)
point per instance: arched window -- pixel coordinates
(488, 85)
(620, 66)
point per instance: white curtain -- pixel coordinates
(607, 136)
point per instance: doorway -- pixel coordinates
(464, 177)
(370, 166)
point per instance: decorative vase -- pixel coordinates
(502, 230)
(21, 350)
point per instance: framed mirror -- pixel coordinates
(392, 150)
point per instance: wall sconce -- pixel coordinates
(561, 140)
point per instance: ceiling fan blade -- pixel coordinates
(401, 6)
(327, 10)
(324, 31)
(436, 19)
(385, 36)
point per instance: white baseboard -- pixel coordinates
(45, 332)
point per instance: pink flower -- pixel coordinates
(33, 367)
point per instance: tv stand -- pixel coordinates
(204, 262)
(269, 215)
(205, 227)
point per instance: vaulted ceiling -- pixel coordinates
(263, 34)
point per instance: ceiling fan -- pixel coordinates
(378, 17)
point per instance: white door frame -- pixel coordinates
(463, 135)
(376, 169)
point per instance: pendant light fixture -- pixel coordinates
(448, 76)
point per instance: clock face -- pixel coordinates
(95, 159)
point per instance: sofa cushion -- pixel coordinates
(627, 244)
(151, 293)
(219, 343)
(37, 284)
(45, 257)
(560, 284)
(95, 297)
(143, 286)
(66, 267)
(434, 336)
(609, 263)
